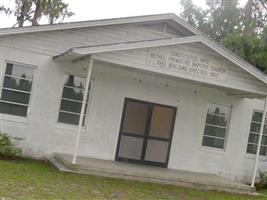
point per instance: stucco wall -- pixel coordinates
(43, 135)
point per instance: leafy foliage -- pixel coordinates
(241, 30)
(8, 145)
(253, 48)
(263, 178)
(33, 11)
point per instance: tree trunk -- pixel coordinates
(51, 20)
(22, 17)
(37, 13)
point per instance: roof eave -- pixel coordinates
(82, 51)
(82, 24)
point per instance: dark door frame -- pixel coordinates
(145, 136)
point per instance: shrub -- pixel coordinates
(8, 146)
(263, 178)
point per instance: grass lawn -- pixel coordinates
(36, 180)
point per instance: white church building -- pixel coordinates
(149, 90)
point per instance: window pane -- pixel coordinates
(71, 106)
(263, 151)
(161, 122)
(252, 148)
(17, 84)
(19, 71)
(216, 126)
(264, 140)
(257, 117)
(75, 81)
(215, 131)
(253, 138)
(216, 120)
(130, 147)
(72, 97)
(265, 130)
(135, 118)
(73, 93)
(254, 127)
(17, 97)
(69, 118)
(156, 151)
(213, 142)
(13, 109)
(218, 109)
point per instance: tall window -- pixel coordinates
(16, 90)
(254, 134)
(71, 101)
(216, 127)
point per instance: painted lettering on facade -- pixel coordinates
(182, 61)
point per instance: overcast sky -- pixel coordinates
(101, 9)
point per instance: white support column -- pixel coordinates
(259, 144)
(87, 84)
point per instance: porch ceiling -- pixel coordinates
(228, 90)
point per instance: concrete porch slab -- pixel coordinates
(145, 173)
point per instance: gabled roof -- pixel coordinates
(102, 22)
(197, 36)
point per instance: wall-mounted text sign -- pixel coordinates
(183, 61)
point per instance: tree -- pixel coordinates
(224, 18)
(217, 21)
(191, 13)
(254, 16)
(33, 11)
(56, 9)
(241, 30)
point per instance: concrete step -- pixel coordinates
(128, 171)
(58, 164)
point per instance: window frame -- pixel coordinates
(62, 124)
(258, 134)
(31, 93)
(227, 127)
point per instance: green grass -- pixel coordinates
(37, 180)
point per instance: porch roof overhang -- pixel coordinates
(77, 54)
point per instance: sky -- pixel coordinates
(103, 9)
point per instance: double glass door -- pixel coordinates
(145, 133)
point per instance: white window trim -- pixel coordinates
(211, 136)
(217, 126)
(66, 126)
(72, 100)
(14, 90)
(16, 77)
(67, 86)
(16, 118)
(252, 155)
(226, 131)
(72, 113)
